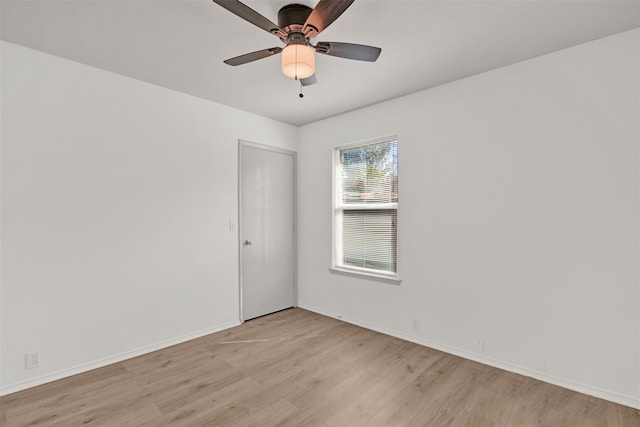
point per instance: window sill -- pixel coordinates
(394, 280)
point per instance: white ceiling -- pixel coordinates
(181, 44)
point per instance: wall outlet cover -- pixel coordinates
(32, 360)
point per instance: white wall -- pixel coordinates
(116, 202)
(519, 218)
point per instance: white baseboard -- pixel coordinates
(12, 388)
(561, 382)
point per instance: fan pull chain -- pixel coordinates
(296, 48)
(301, 95)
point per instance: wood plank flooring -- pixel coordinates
(297, 368)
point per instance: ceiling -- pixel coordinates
(181, 44)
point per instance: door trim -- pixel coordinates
(294, 155)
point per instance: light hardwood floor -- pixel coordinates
(297, 368)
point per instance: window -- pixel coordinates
(366, 208)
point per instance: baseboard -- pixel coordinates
(561, 382)
(64, 373)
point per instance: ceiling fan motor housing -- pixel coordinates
(291, 18)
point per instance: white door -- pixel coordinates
(267, 234)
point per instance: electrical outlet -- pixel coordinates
(33, 360)
(415, 325)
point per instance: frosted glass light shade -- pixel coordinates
(298, 61)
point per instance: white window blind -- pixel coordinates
(366, 205)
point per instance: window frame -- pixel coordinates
(338, 206)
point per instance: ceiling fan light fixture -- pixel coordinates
(298, 61)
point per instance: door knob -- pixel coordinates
(247, 242)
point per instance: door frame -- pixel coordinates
(241, 144)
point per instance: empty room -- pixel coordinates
(319, 213)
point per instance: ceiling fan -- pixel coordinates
(297, 25)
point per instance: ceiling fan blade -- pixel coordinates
(309, 81)
(253, 56)
(325, 12)
(250, 15)
(358, 52)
